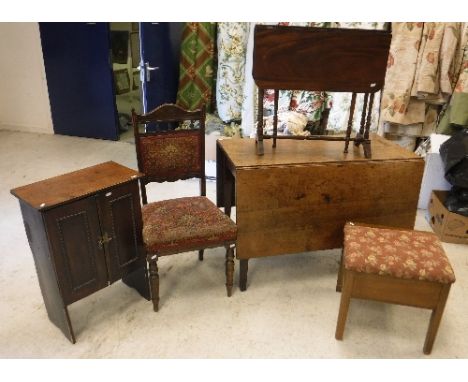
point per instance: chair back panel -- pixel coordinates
(170, 156)
(174, 154)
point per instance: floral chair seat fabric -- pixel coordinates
(402, 254)
(185, 224)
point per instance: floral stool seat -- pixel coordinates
(396, 266)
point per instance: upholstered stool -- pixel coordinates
(395, 266)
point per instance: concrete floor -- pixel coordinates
(288, 311)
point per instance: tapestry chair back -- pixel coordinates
(172, 154)
(320, 59)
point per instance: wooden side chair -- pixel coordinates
(183, 224)
(396, 266)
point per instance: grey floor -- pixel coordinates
(288, 311)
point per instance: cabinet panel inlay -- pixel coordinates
(78, 258)
(124, 232)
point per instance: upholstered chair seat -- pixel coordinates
(184, 224)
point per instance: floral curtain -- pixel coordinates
(423, 70)
(196, 77)
(249, 91)
(232, 45)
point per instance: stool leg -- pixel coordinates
(436, 316)
(154, 281)
(339, 281)
(348, 279)
(229, 269)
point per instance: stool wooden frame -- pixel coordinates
(416, 293)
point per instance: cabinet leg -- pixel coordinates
(229, 269)
(154, 281)
(66, 326)
(138, 280)
(244, 267)
(59, 316)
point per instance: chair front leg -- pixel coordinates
(229, 269)
(154, 280)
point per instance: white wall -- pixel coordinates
(24, 99)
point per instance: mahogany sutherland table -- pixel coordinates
(297, 197)
(84, 230)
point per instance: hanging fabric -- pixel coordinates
(250, 90)
(456, 113)
(421, 73)
(232, 45)
(197, 74)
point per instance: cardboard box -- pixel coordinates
(449, 226)
(434, 176)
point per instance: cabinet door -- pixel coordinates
(74, 233)
(120, 215)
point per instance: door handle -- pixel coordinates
(147, 72)
(104, 240)
(149, 69)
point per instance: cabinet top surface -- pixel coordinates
(74, 185)
(242, 152)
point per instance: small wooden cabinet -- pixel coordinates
(85, 232)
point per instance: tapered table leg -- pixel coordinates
(229, 269)
(244, 267)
